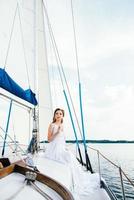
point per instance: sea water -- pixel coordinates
(120, 155)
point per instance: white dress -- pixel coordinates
(82, 181)
(56, 149)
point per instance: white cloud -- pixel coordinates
(114, 121)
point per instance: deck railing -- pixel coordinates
(121, 173)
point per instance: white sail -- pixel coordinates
(43, 82)
(26, 50)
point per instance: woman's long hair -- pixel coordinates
(58, 109)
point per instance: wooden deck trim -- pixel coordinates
(19, 167)
(7, 170)
(53, 184)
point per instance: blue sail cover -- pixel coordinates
(7, 83)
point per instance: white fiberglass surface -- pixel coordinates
(53, 169)
(13, 185)
(64, 175)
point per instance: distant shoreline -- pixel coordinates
(101, 141)
(98, 141)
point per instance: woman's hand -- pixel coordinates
(52, 135)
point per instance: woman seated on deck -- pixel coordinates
(56, 149)
(84, 182)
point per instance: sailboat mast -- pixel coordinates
(44, 108)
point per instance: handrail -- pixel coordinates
(29, 106)
(122, 185)
(121, 172)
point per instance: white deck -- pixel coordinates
(13, 183)
(61, 173)
(53, 169)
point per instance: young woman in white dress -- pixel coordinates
(56, 150)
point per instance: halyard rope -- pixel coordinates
(44, 194)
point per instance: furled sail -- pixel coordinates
(7, 83)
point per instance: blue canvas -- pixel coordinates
(7, 83)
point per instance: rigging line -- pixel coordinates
(86, 154)
(7, 126)
(52, 60)
(10, 146)
(10, 36)
(44, 194)
(58, 58)
(29, 126)
(14, 135)
(80, 95)
(81, 160)
(13, 150)
(11, 139)
(66, 99)
(23, 45)
(52, 68)
(55, 45)
(59, 61)
(75, 41)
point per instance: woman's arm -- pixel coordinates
(52, 135)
